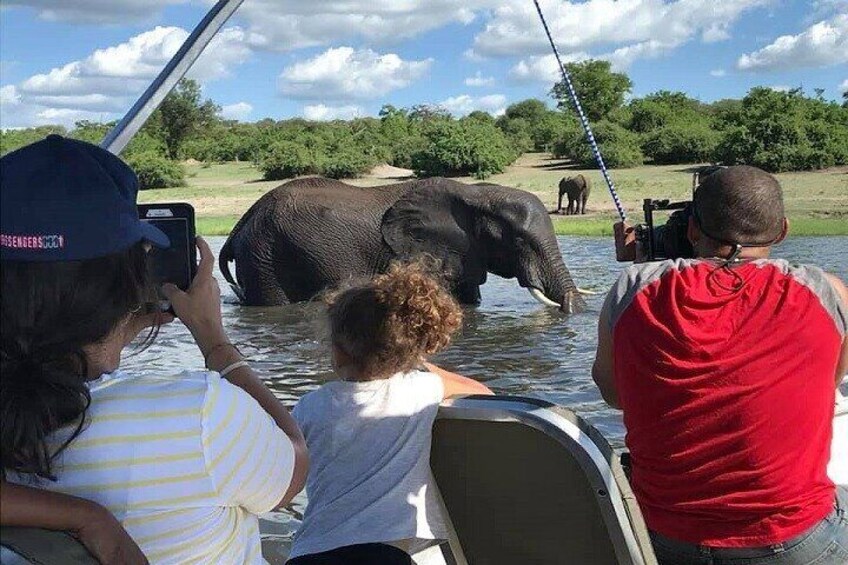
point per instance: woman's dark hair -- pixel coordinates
(50, 311)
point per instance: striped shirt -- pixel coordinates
(185, 462)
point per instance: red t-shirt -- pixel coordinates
(728, 397)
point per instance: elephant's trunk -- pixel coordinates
(552, 284)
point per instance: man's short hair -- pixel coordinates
(740, 204)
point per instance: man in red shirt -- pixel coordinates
(726, 368)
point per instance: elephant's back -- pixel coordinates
(316, 195)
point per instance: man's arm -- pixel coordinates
(602, 369)
(842, 291)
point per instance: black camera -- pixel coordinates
(668, 241)
(650, 242)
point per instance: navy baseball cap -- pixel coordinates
(66, 200)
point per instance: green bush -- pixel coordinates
(786, 131)
(464, 147)
(144, 142)
(155, 171)
(619, 147)
(346, 164)
(681, 143)
(519, 133)
(287, 159)
(12, 139)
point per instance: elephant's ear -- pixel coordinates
(431, 220)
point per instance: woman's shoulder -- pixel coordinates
(167, 391)
(125, 380)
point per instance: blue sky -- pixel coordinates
(63, 61)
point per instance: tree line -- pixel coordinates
(777, 131)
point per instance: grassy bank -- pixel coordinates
(603, 226)
(816, 202)
(221, 225)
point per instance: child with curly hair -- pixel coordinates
(370, 490)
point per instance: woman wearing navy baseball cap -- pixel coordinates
(183, 461)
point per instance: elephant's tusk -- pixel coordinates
(587, 292)
(540, 296)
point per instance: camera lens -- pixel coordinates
(670, 241)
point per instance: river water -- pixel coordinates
(510, 342)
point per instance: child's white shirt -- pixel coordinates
(369, 449)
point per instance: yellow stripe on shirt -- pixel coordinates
(104, 398)
(217, 534)
(131, 439)
(231, 444)
(100, 487)
(222, 425)
(131, 461)
(119, 416)
(240, 464)
(211, 497)
(148, 518)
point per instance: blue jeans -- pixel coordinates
(825, 544)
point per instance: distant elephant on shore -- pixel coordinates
(577, 189)
(312, 234)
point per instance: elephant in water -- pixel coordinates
(314, 233)
(577, 188)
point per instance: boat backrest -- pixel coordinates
(45, 547)
(525, 481)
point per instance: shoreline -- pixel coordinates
(584, 226)
(816, 202)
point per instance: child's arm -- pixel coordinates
(457, 384)
(95, 527)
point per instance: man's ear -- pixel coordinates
(784, 232)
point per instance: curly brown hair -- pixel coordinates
(389, 324)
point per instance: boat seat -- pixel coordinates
(19, 546)
(525, 481)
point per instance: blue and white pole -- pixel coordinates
(583, 119)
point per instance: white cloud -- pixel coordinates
(226, 51)
(95, 11)
(844, 86)
(479, 80)
(464, 104)
(283, 25)
(822, 44)
(623, 57)
(292, 24)
(542, 69)
(104, 84)
(237, 111)
(322, 113)
(545, 68)
(718, 73)
(9, 96)
(780, 88)
(825, 8)
(343, 73)
(622, 30)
